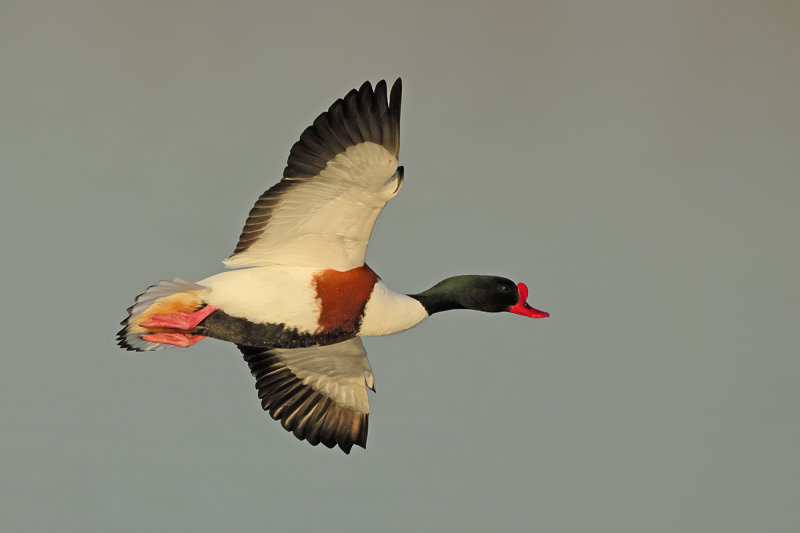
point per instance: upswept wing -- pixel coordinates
(318, 393)
(338, 177)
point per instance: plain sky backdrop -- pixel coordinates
(636, 163)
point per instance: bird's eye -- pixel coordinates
(505, 288)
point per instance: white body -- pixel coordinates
(281, 294)
(269, 295)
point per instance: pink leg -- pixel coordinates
(176, 339)
(178, 320)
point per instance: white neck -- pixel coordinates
(390, 312)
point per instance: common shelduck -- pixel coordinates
(300, 296)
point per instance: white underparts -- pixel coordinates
(267, 295)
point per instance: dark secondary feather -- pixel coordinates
(309, 414)
(363, 115)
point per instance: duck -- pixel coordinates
(297, 295)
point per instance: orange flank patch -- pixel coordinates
(180, 302)
(343, 296)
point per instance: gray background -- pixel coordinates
(636, 163)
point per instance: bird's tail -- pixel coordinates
(165, 315)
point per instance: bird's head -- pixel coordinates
(491, 294)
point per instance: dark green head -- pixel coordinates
(491, 294)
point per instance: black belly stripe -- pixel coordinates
(243, 332)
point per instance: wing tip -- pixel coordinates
(355, 118)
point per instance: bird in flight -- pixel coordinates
(299, 297)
